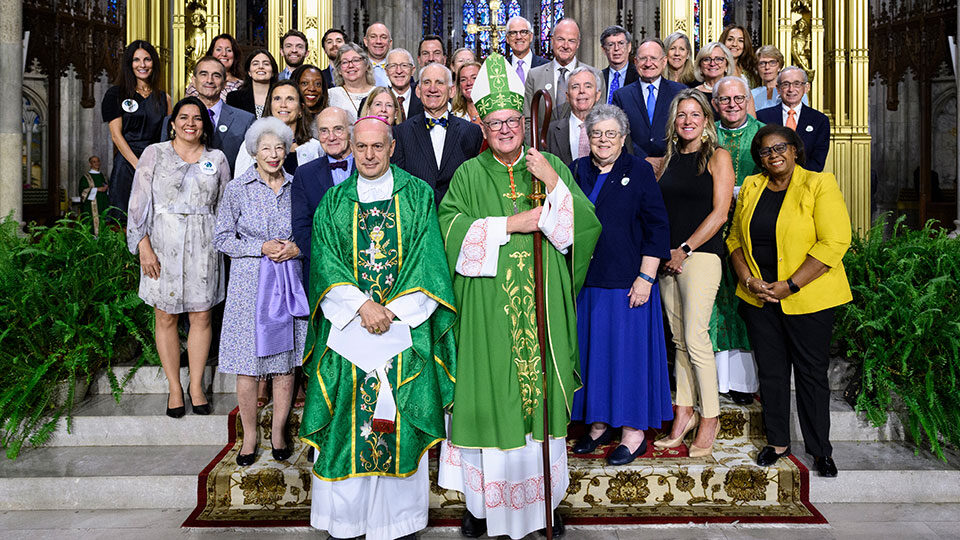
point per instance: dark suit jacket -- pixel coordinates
(633, 217)
(327, 75)
(814, 129)
(650, 139)
(632, 76)
(310, 183)
(229, 141)
(242, 98)
(558, 139)
(414, 152)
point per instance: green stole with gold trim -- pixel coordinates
(387, 249)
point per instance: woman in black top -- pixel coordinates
(261, 70)
(697, 186)
(134, 109)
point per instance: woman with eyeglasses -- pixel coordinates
(354, 79)
(623, 357)
(787, 240)
(714, 62)
(697, 187)
(769, 64)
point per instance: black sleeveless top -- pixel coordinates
(763, 232)
(688, 197)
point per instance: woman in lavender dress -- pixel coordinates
(176, 189)
(253, 229)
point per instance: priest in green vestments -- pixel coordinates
(736, 368)
(379, 358)
(93, 193)
(487, 218)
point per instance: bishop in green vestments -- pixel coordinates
(487, 218)
(736, 368)
(376, 276)
(93, 182)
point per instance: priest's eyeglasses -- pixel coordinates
(609, 134)
(779, 148)
(725, 100)
(512, 123)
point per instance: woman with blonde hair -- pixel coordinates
(679, 59)
(462, 105)
(382, 103)
(714, 62)
(697, 187)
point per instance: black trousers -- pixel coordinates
(782, 341)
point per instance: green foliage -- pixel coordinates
(68, 308)
(903, 328)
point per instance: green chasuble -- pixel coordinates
(387, 249)
(101, 201)
(727, 329)
(499, 383)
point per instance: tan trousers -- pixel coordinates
(688, 302)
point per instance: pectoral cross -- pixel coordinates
(373, 251)
(494, 28)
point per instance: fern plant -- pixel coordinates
(903, 328)
(68, 303)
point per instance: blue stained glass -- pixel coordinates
(551, 11)
(696, 24)
(514, 9)
(728, 13)
(469, 17)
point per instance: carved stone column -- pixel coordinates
(593, 16)
(404, 18)
(11, 106)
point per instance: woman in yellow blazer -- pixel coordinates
(787, 240)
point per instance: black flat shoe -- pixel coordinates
(741, 398)
(622, 455)
(202, 410)
(825, 467)
(472, 527)
(175, 412)
(586, 445)
(246, 460)
(558, 528)
(768, 456)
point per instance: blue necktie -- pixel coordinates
(651, 103)
(614, 86)
(433, 122)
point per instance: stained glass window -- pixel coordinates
(551, 11)
(728, 13)
(696, 24)
(478, 12)
(433, 17)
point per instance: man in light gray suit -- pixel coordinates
(229, 123)
(553, 75)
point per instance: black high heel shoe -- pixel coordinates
(246, 460)
(202, 410)
(175, 412)
(281, 454)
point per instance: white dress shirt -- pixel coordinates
(643, 87)
(438, 135)
(574, 135)
(786, 115)
(406, 99)
(569, 67)
(527, 63)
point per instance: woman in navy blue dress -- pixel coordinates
(623, 358)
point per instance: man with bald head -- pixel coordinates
(433, 144)
(378, 41)
(379, 353)
(313, 179)
(553, 75)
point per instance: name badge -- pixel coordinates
(625, 181)
(207, 167)
(222, 128)
(809, 129)
(548, 86)
(129, 105)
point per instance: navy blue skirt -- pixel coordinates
(623, 360)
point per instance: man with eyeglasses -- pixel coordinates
(294, 48)
(553, 76)
(379, 355)
(312, 180)
(400, 71)
(519, 55)
(432, 144)
(487, 218)
(811, 125)
(617, 44)
(647, 102)
(331, 42)
(377, 40)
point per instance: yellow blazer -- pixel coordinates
(813, 221)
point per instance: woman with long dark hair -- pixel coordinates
(738, 42)
(261, 74)
(134, 109)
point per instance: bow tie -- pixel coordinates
(433, 122)
(338, 165)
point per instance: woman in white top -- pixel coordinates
(285, 101)
(354, 79)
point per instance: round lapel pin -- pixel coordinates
(130, 105)
(809, 129)
(222, 128)
(625, 181)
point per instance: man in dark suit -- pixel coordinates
(567, 138)
(519, 55)
(647, 102)
(617, 45)
(400, 68)
(313, 179)
(431, 145)
(229, 123)
(331, 42)
(811, 125)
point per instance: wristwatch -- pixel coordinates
(686, 249)
(794, 288)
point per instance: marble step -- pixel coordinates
(140, 420)
(847, 424)
(106, 477)
(884, 472)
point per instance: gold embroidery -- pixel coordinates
(522, 316)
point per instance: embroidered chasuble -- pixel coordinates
(737, 142)
(499, 385)
(387, 249)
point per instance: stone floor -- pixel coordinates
(847, 521)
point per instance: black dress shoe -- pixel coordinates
(246, 460)
(558, 528)
(622, 455)
(586, 444)
(202, 410)
(768, 456)
(472, 527)
(741, 398)
(175, 412)
(826, 467)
